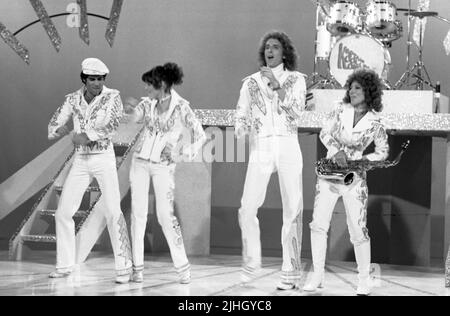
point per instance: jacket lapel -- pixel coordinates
(97, 103)
(365, 123)
(78, 98)
(256, 89)
(172, 106)
(173, 103)
(347, 117)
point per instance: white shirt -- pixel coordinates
(260, 112)
(338, 134)
(99, 119)
(169, 135)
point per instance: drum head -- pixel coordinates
(354, 52)
(392, 36)
(381, 17)
(383, 28)
(344, 18)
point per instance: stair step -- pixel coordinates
(89, 189)
(52, 213)
(40, 238)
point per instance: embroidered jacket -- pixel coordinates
(170, 135)
(260, 112)
(339, 134)
(99, 119)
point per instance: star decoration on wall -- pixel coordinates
(78, 11)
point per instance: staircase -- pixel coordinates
(37, 231)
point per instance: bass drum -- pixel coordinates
(358, 51)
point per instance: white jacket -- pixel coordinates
(99, 119)
(260, 112)
(338, 134)
(177, 132)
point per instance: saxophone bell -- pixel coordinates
(344, 177)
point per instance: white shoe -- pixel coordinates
(318, 251)
(123, 279)
(362, 255)
(284, 286)
(364, 287)
(316, 281)
(185, 277)
(137, 277)
(247, 276)
(59, 275)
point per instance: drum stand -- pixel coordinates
(418, 71)
(317, 80)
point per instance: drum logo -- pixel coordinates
(348, 59)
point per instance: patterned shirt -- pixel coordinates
(260, 112)
(169, 135)
(338, 134)
(99, 119)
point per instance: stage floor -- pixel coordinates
(216, 275)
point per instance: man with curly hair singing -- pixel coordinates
(268, 108)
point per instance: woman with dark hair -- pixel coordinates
(170, 128)
(269, 105)
(352, 127)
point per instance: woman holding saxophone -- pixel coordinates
(353, 125)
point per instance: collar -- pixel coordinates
(278, 71)
(105, 90)
(364, 124)
(173, 102)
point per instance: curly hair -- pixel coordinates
(372, 87)
(170, 73)
(289, 54)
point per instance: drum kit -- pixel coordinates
(349, 38)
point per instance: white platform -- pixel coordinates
(394, 101)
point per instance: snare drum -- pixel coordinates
(381, 17)
(344, 18)
(392, 36)
(358, 51)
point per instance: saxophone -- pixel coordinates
(329, 170)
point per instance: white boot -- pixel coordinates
(318, 250)
(362, 254)
(316, 281)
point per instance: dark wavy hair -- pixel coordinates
(170, 73)
(289, 54)
(372, 87)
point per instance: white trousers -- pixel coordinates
(163, 177)
(354, 196)
(84, 169)
(267, 155)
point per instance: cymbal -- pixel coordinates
(422, 14)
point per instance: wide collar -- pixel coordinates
(174, 101)
(105, 91)
(364, 124)
(95, 103)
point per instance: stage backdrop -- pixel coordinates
(215, 41)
